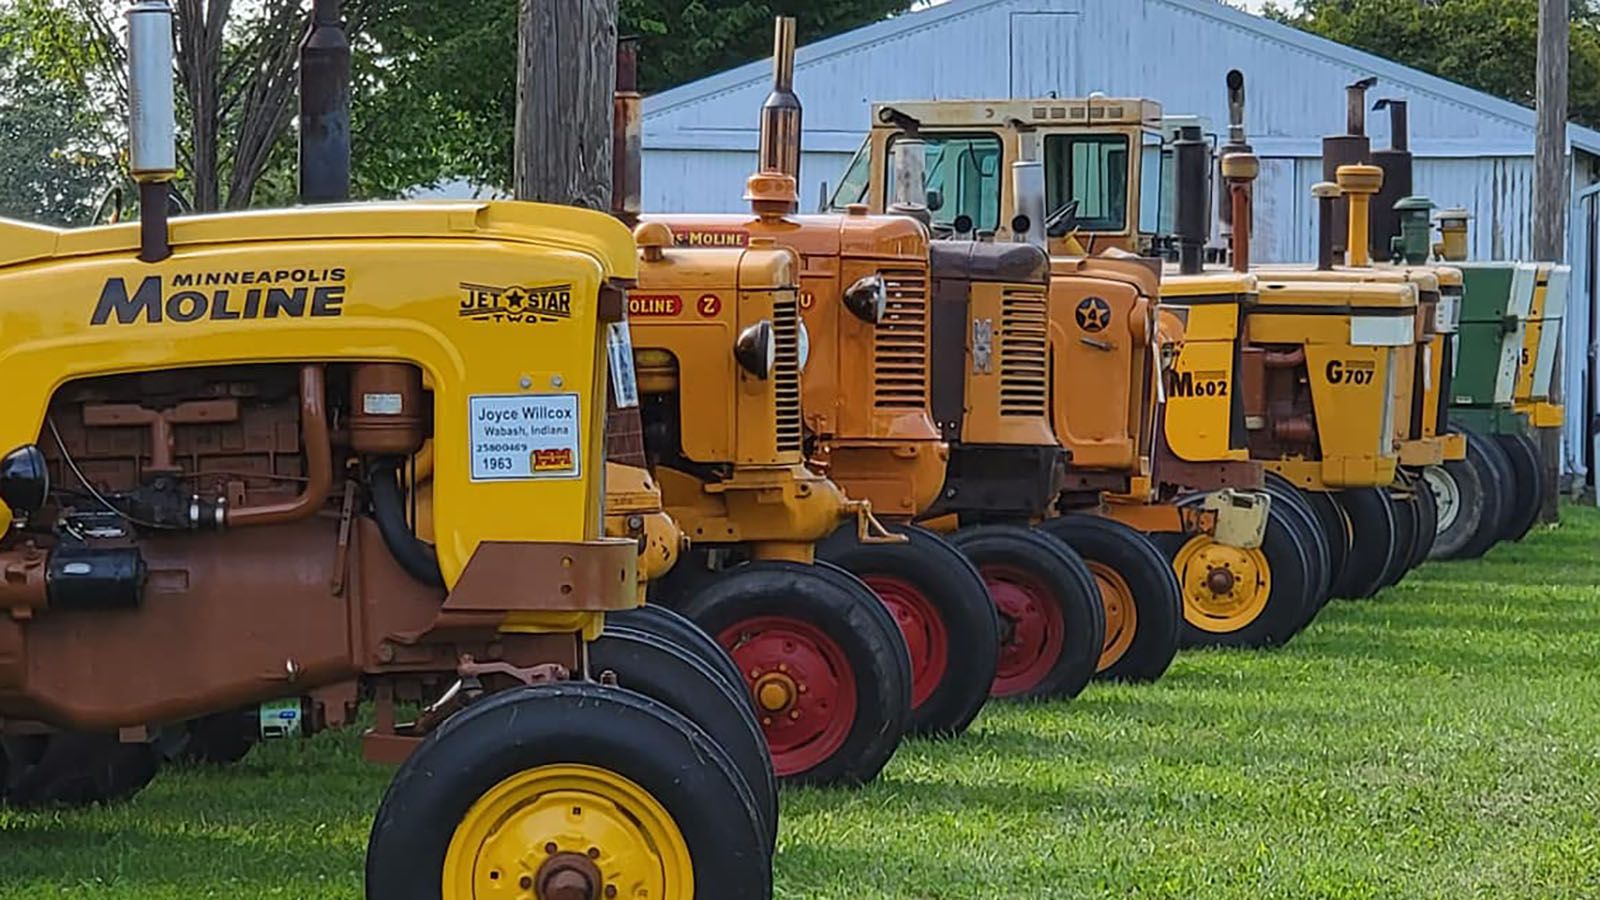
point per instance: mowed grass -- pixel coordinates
(1442, 741)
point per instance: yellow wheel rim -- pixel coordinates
(1122, 617)
(1224, 588)
(568, 831)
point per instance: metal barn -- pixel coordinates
(1473, 150)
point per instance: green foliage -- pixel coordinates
(436, 96)
(1490, 45)
(1439, 741)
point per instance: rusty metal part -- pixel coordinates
(590, 575)
(22, 580)
(319, 460)
(627, 118)
(386, 409)
(568, 876)
(528, 675)
(160, 422)
(1253, 386)
(1284, 359)
(1298, 430)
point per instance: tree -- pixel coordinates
(56, 162)
(452, 75)
(1486, 44)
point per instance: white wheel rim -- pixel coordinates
(1446, 494)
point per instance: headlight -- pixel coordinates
(755, 349)
(804, 348)
(1169, 354)
(24, 480)
(868, 298)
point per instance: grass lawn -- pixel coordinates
(1442, 740)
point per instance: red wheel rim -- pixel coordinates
(1032, 631)
(926, 638)
(803, 687)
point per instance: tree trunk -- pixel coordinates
(566, 72)
(1551, 182)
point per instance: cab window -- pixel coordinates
(1091, 170)
(853, 186)
(1152, 185)
(962, 178)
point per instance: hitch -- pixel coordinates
(868, 529)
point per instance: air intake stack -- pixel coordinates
(152, 124)
(1353, 148)
(1396, 163)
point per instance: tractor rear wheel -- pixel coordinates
(681, 632)
(1466, 493)
(1296, 505)
(568, 790)
(1334, 524)
(1495, 477)
(1427, 520)
(1527, 495)
(823, 661)
(222, 739)
(1144, 609)
(1237, 597)
(71, 768)
(1051, 620)
(1405, 537)
(942, 607)
(1372, 541)
(654, 666)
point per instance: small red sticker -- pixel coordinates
(709, 305)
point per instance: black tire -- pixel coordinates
(943, 608)
(1372, 544)
(222, 739)
(1466, 492)
(1427, 521)
(69, 768)
(679, 630)
(1319, 550)
(610, 729)
(1526, 486)
(1116, 552)
(1494, 473)
(1335, 527)
(1283, 564)
(831, 632)
(1405, 538)
(656, 667)
(1052, 622)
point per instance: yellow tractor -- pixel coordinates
(860, 420)
(1165, 468)
(204, 510)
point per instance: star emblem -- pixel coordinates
(1093, 314)
(515, 298)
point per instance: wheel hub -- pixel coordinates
(569, 876)
(1446, 495)
(1220, 580)
(1031, 630)
(775, 691)
(923, 630)
(1224, 588)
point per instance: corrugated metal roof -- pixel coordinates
(1419, 85)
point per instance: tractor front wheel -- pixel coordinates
(568, 790)
(1237, 597)
(71, 768)
(825, 665)
(1406, 525)
(942, 606)
(1372, 541)
(1467, 492)
(679, 631)
(1144, 609)
(1527, 494)
(1051, 619)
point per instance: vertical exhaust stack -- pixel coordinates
(325, 108)
(1353, 148)
(1327, 196)
(1030, 209)
(1358, 184)
(627, 116)
(1396, 164)
(152, 125)
(1237, 143)
(780, 114)
(908, 193)
(1193, 225)
(1240, 170)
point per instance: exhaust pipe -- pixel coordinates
(325, 108)
(152, 125)
(1237, 143)
(1193, 171)
(1240, 171)
(1352, 148)
(1327, 196)
(627, 117)
(908, 194)
(780, 114)
(1396, 163)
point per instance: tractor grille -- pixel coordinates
(1024, 324)
(786, 370)
(900, 343)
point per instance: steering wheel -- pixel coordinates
(1060, 222)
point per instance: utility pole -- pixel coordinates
(566, 73)
(1550, 197)
(325, 107)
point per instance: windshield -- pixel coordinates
(1152, 182)
(962, 177)
(853, 186)
(1091, 169)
